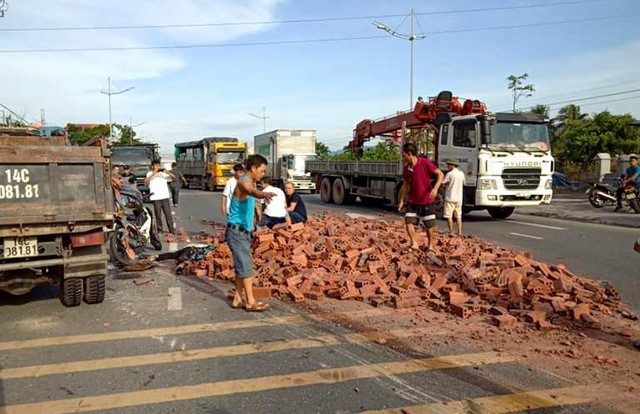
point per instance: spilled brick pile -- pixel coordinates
(370, 260)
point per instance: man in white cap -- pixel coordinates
(453, 195)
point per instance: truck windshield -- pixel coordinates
(520, 136)
(229, 157)
(130, 156)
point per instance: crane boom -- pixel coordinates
(423, 115)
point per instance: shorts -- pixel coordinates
(451, 207)
(421, 214)
(240, 244)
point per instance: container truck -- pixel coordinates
(287, 151)
(506, 157)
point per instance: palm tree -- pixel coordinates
(570, 112)
(541, 110)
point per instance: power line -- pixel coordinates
(588, 98)
(611, 100)
(291, 21)
(305, 41)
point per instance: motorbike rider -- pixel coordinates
(631, 176)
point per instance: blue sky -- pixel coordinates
(185, 94)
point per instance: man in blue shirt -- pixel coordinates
(238, 234)
(632, 175)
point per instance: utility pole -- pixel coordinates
(264, 118)
(410, 37)
(108, 92)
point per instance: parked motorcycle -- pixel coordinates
(601, 194)
(134, 228)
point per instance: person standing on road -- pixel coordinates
(238, 233)
(632, 175)
(417, 175)
(176, 183)
(229, 188)
(275, 212)
(453, 195)
(295, 205)
(158, 182)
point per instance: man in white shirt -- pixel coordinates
(453, 195)
(158, 182)
(275, 211)
(229, 188)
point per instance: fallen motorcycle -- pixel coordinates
(134, 227)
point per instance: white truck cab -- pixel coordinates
(506, 158)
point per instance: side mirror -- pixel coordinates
(485, 132)
(442, 118)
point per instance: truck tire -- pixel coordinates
(71, 291)
(325, 190)
(94, 288)
(209, 185)
(340, 193)
(500, 212)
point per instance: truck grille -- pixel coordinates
(521, 178)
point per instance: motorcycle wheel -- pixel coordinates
(119, 246)
(596, 201)
(635, 205)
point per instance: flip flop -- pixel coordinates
(239, 305)
(257, 307)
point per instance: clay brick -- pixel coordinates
(295, 294)
(400, 303)
(463, 311)
(579, 310)
(297, 227)
(535, 316)
(456, 298)
(504, 320)
(261, 292)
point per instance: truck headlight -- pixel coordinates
(488, 184)
(548, 185)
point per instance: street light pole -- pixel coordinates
(108, 92)
(410, 37)
(263, 117)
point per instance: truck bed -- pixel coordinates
(369, 168)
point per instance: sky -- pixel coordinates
(269, 58)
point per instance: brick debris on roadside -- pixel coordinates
(335, 256)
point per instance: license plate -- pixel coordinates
(631, 196)
(20, 247)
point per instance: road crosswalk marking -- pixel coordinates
(247, 385)
(143, 333)
(510, 403)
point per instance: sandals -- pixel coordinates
(257, 307)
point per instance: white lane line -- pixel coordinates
(526, 236)
(544, 226)
(175, 299)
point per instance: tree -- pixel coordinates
(518, 89)
(78, 135)
(541, 110)
(322, 150)
(570, 112)
(126, 135)
(383, 151)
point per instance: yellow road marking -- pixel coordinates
(144, 333)
(245, 385)
(521, 401)
(195, 354)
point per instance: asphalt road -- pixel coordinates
(174, 346)
(593, 250)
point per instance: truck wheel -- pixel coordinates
(325, 190)
(71, 291)
(500, 212)
(94, 289)
(340, 196)
(209, 185)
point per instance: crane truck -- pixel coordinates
(506, 157)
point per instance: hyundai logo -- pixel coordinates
(522, 182)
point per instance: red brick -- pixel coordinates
(504, 320)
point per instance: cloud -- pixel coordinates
(67, 85)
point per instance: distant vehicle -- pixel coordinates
(208, 164)
(139, 158)
(287, 151)
(55, 202)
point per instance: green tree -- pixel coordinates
(579, 140)
(125, 135)
(79, 135)
(383, 151)
(518, 88)
(541, 110)
(570, 112)
(322, 150)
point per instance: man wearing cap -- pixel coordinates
(453, 195)
(417, 175)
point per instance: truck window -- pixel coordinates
(444, 138)
(464, 135)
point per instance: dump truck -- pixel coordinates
(139, 158)
(55, 205)
(287, 151)
(506, 157)
(208, 163)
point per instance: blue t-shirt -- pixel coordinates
(241, 212)
(631, 171)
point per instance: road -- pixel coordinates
(174, 345)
